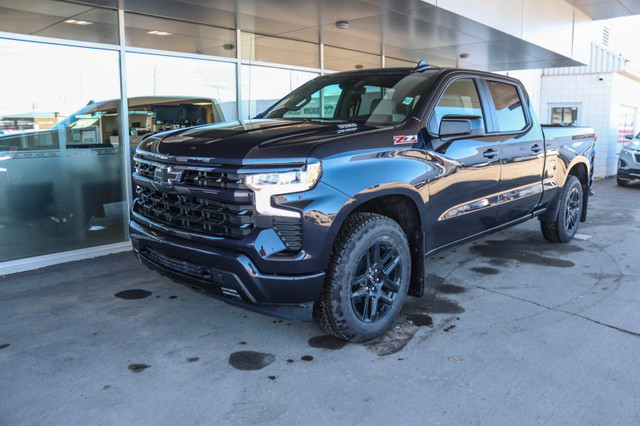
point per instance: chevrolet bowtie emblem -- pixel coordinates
(166, 175)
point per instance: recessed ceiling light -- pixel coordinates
(160, 33)
(78, 22)
(228, 46)
(359, 66)
(464, 55)
(342, 25)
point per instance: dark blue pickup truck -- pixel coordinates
(328, 202)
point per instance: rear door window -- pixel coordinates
(508, 107)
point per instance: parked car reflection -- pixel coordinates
(56, 180)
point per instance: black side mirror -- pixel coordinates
(454, 127)
(629, 136)
(461, 126)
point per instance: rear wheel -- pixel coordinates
(367, 279)
(569, 213)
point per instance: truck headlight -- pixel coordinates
(267, 184)
(285, 182)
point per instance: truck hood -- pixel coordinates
(256, 142)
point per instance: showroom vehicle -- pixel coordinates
(329, 201)
(629, 161)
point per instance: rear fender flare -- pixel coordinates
(551, 215)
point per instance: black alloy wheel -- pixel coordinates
(574, 208)
(367, 278)
(569, 215)
(376, 283)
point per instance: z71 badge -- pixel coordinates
(406, 139)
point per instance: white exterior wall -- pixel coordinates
(594, 97)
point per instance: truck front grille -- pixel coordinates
(212, 179)
(193, 214)
(162, 200)
(637, 158)
(144, 169)
(177, 265)
(201, 177)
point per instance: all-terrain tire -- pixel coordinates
(565, 226)
(344, 309)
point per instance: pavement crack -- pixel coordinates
(633, 333)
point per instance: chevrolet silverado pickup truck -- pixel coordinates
(327, 204)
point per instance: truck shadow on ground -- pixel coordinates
(417, 314)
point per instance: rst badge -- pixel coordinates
(405, 139)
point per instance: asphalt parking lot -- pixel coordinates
(514, 330)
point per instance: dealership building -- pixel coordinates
(71, 68)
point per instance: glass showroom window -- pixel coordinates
(170, 92)
(264, 86)
(61, 174)
(626, 124)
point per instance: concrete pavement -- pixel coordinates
(514, 330)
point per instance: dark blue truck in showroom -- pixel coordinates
(327, 204)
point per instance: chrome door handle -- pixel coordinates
(490, 153)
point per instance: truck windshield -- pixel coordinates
(376, 100)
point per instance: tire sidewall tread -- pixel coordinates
(333, 310)
(556, 231)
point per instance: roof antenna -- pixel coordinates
(422, 65)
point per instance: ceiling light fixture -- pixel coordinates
(342, 25)
(228, 46)
(77, 22)
(464, 55)
(159, 33)
(359, 66)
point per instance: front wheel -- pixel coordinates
(367, 279)
(569, 213)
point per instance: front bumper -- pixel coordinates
(629, 165)
(227, 275)
(627, 173)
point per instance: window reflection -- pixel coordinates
(509, 111)
(264, 86)
(459, 98)
(61, 174)
(189, 81)
(152, 114)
